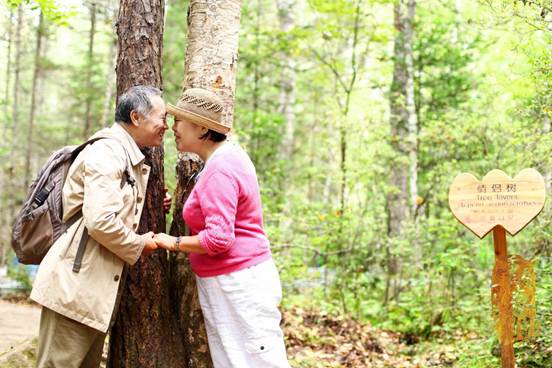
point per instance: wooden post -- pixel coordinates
(501, 204)
(502, 294)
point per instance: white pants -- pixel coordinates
(242, 317)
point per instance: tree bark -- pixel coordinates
(144, 331)
(90, 62)
(287, 80)
(108, 94)
(36, 76)
(286, 103)
(211, 61)
(547, 173)
(4, 179)
(12, 165)
(16, 85)
(8, 77)
(191, 325)
(212, 53)
(403, 131)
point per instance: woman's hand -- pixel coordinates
(165, 241)
(150, 244)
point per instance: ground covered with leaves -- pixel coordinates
(320, 340)
(317, 339)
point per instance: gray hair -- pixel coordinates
(137, 98)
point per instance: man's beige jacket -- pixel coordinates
(111, 214)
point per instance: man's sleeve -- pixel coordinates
(103, 202)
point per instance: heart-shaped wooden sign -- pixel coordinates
(497, 200)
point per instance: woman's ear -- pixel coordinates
(202, 130)
(134, 118)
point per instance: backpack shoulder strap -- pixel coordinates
(127, 178)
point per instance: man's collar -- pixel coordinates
(136, 156)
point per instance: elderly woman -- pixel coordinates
(238, 283)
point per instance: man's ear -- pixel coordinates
(134, 118)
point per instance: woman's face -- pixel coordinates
(186, 135)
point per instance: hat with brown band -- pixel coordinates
(201, 107)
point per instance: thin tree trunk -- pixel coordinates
(144, 332)
(285, 108)
(410, 104)
(36, 76)
(254, 140)
(90, 65)
(287, 80)
(346, 86)
(403, 132)
(8, 77)
(546, 128)
(4, 179)
(108, 94)
(457, 9)
(16, 84)
(15, 113)
(211, 62)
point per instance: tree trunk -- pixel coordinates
(211, 61)
(16, 86)
(4, 179)
(36, 76)
(212, 53)
(12, 165)
(108, 94)
(287, 79)
(90, 65)
(547, 173)
(191, 326)
(285, 108)
(8, 78)
(144, 331)
(403, 132)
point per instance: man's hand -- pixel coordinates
(165, 241)
(150, 244)
(167, 201)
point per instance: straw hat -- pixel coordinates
(201, 107)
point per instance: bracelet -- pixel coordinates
(177, 244)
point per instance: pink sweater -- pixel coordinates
(224, 210)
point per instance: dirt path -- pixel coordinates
(19, 324)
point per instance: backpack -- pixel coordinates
(40, 221)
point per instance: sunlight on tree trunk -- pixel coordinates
(211, 61)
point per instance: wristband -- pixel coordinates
(177, 244)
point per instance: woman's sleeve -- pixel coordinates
(218, 199)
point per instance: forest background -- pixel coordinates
(354, 180)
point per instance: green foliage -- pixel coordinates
(49, 8)
(19, 273)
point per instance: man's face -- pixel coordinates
(152, 126)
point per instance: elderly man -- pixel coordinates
(107, 181)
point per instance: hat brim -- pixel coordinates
(196, 119)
